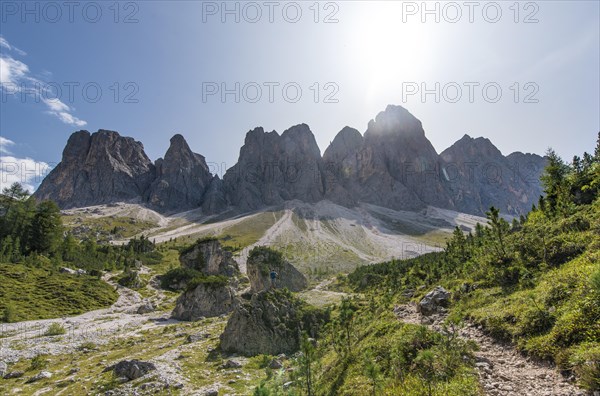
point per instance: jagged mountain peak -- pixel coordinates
(392, 164)
(395, 120)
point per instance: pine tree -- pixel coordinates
(554, 181)
(499, 229)
(46, 229)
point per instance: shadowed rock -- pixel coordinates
(262, 261)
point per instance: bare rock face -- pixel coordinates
(214, 200)
(270, 323)
(98, 168)
(182, 178)
(204, 300)
(394, 165)
(208, 257)
(273, 169)
(479, 176)
(261, 261)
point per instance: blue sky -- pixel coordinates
(158, 65)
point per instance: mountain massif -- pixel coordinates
(392, 164)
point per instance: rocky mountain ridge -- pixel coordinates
(392, 165)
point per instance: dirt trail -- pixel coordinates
(502, 370)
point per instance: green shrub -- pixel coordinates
(177, 276)
(9, 314)
(55, 329)
(586, 364)
(39, 362)
(209, 281)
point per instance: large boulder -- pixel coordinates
(131, 369)
(208, 257)
(263, 260)
(206, 298)
(434, 301)
(270, 323)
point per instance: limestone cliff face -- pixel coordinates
(479, 176)
(98, 168)
(393, 165)
(182, 178)
(275, 168)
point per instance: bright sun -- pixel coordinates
(389, 51)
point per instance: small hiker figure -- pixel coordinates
(273, 275)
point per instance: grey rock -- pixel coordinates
(14, 374)
(131, 369)
(3, 369)
(211, 392)
(232, 364)
(270, 324)
(205, 300)
(65, 270)
(275, 364)
(197, 337)
(98, 168)
(40, 376)
(146, 308)
(208, 257)
(261, 261)
(434, 301)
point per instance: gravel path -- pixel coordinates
(502, 370)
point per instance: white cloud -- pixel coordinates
(26, 171)
(5, 144)
(61, 111)
(12, 71)
(15, 76)
(5, 44)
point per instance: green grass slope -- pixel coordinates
(28, 293)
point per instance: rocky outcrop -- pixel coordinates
(98, 168)
(270, 323)
(434, 301)
(274, 168)
(208, 257)
(182, 178)
(131, 369)
(479, 176)
(263, 260)
(204, 300)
